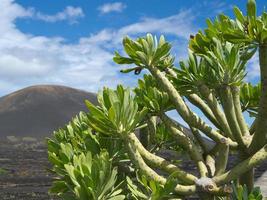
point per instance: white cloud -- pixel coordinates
(28, 59)
(70, 13)
(22, 67)
(253, 69)
(112, 7)
(178, 25)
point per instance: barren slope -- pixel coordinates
(38, 110)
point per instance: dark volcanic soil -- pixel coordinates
(26, 176)
(33, 111)
(39, 110)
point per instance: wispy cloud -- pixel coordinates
(180, 25)
(112, 7)
(177, 25)
(87, 64)
(70, 14)
(216, 7)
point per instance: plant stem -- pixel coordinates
(195, 151)
(253, 127)
(179, 189)
(200, 140)
(222, 159)
(248, 177)
(191, 118)
(161, 163)
(238, 111)
(206, 196)
(214, 105)
(144, 137)
(242, 167)
(259, 138)
(198, 102)
(229, 109)
(151, 174)
(210, 162)
(152, 127)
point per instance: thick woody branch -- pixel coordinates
(147, 134)
(210, 163)
(205, 147)
(198, 102)
(217, 158)
(229, 109)
(216, 109)
(201, 185)
(191, 118)
(170, 72)
(161, 163)
(151, 174)
(208, 186)
(238, 111)
(152, 127)
(242, 167)
(194, 149)
(259, 138)
(194, 134)
(253, 127)
(186, 141)
(222, 158)
(144, 137)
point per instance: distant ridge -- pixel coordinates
(38, 110)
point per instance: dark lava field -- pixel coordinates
(23, 171)
(24, 174)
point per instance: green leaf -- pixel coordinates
(143, 57)
(119, 197)
(161, 41)
(248, 54)
(54, 159)
(128, 70)
(58, 187)
(67, 150)
(239, 15)
(251, 9)
(135, 191)
(52, 146)
(122, 60)
(96, 112)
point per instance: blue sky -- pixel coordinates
(71, 42)
(93, 21)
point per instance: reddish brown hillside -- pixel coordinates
(38, 110)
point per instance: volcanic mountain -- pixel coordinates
(38, 110)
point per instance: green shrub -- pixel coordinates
(99, 156)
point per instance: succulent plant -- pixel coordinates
(213, 80)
